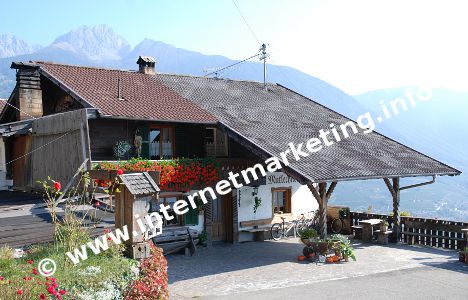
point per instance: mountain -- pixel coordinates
(434, 127)
(99, 43)
(13, 46)
(101, 46)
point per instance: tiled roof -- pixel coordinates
(274, 118)
(139, 183)
(141, 96)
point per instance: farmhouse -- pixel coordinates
(69, 116)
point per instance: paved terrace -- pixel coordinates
(269, 270)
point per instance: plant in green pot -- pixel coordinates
(308, 234)
(347, 252)
(383, 225)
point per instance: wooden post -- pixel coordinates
(395, 191)
(322, 197)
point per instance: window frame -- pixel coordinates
(287, 200)
(216, 131)
(160, 128)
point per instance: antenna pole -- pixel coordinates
(264, 56)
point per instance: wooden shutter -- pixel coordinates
(287, 200)
(191, 217)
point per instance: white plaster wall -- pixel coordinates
(302, 201)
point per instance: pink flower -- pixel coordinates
(2, 278)
(19, 292)
(106, 230)
(97, 204)
(62, 292)
(50, 290)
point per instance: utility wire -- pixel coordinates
(245, 21)
(227, 67)
(6, 102)
(38, 148)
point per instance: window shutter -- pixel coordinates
(144, 132)
(191, 217)
(287, 205)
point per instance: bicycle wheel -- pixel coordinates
(276, 232)
(300, 227)
(337, 226)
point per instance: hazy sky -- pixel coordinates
(355, 45)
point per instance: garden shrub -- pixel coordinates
(153, 280)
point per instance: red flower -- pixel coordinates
(34, 271)
(30, 262)
(50, 290)
(19, 292)
(120, 172)
(2, 278)
(57, 186)
(109, 239)
(62, 292)
(42, 296)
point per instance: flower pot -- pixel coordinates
(383, 228)
(346, 258)
(305, 241)
(461, 256)
(466, 257)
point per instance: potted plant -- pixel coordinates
(202, 238)
(466, 255)
(307, 235)
(383, 225)
(336, 241)
(347, 252)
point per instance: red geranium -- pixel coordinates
(57, 186)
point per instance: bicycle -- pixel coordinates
(310, 223)
(281, 230)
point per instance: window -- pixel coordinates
(215, 142)
(161, 143)
(177, 220)
(281, 200)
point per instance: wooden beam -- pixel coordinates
(331, 189)
(389, 186)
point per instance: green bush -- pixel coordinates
(309, 234)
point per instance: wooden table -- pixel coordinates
(368, 228)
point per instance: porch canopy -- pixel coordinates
(266, 121)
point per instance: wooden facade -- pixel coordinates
(65, 143)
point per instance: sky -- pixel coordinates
(357, 46)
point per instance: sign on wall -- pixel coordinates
(279, 178)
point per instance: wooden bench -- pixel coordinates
(357, 232)
(382, 236)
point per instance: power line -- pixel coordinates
(245, 21)
(230, 66)
(38, 148)
(6, 102)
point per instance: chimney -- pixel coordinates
(147, 65)
(29, 92)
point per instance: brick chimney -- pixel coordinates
(147, 65)
(29, 92)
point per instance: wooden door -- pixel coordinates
(227, 218)
(217, 219)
